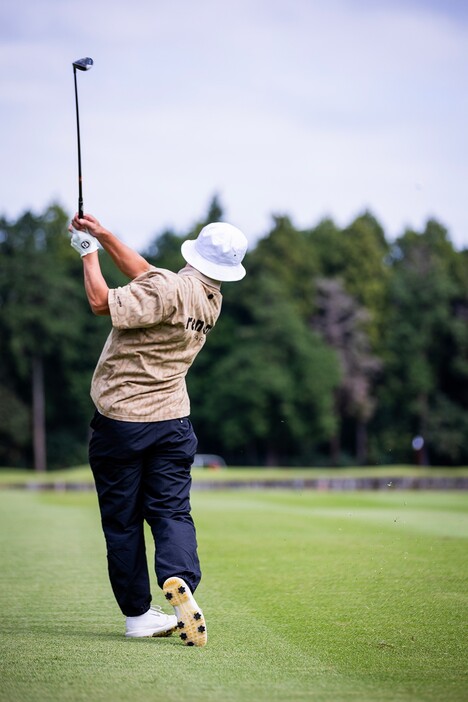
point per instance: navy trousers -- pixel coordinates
(142, 473)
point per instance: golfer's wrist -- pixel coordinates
(90, 259)
(102, 234)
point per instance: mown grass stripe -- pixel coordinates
(303, 602)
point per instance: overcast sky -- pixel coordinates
(294, 107)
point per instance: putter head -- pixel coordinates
(83, 64)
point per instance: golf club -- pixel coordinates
(83, 64)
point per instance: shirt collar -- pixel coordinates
(190, 270)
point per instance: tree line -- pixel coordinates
(339, 347)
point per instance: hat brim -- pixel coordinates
(228, 274)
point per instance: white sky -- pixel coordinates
(294, 107)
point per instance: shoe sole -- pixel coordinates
(155, 635)
(190, 620)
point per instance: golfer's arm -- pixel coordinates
(126, 259)
(95, 286)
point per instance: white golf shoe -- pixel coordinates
(152, 623)
(190, 620)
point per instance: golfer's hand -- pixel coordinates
(87, 223)
(83, 242)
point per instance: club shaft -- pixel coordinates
(80, 181)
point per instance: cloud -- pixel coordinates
(279, 106)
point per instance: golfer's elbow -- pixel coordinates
(100, 310)
(96, 288)
(99, 305)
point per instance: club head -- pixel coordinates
(83, 64)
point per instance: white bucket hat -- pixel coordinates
(217, 252)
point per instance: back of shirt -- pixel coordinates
(160, 322)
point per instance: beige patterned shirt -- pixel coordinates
(160, 321)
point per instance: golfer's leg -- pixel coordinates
(117, 469)
(167, 481)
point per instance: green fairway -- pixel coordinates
(317, 596)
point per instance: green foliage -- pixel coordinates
(33, 283)
(334, 336)
(271, 391)
(164, 252)
(44, 314)
(14, 426)
(286, 255)
(426, 380)
(357, 256)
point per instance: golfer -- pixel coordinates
(143, 444)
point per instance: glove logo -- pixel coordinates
(85, 244)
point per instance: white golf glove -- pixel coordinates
(84, 243)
